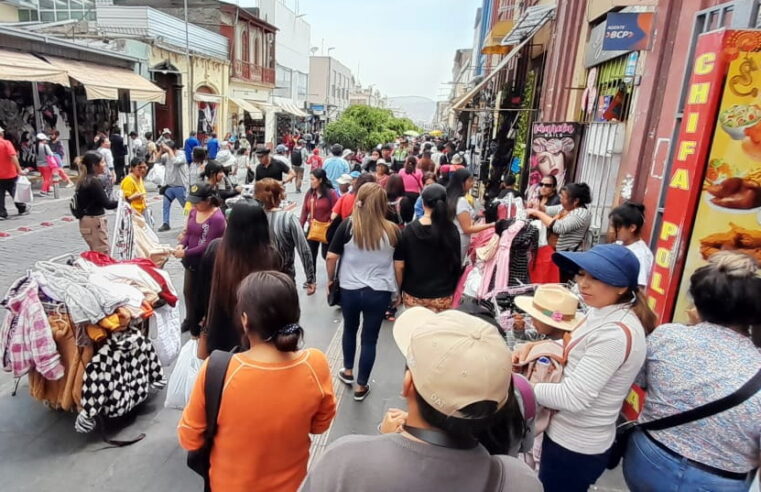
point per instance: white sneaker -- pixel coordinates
(70, 185)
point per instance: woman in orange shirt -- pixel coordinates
(274, 396)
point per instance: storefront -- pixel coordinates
(77, 98)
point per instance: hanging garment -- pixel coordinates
(146, 243)
(85, 302)
(26, 341)
(543, 270)
(497, 270)
(522, 254)
(118, 378)
(123, 243)
(167, 342)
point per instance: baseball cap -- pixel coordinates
(613, 264)
(262, 151)
(455, 359)
(386, 146)
(281, 149)
(344, 179)
(355, 174)
(42, 136)
(200, 192)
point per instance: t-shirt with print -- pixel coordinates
(275, 170)
(7, 166)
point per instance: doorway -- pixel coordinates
(168, 115)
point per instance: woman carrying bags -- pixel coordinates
(316, 211)
(604, 355)
(133, 187)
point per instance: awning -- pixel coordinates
(25, 67)
(266, 108)
(208, 98)
(527, 26)
(102, 82)
(248, 107)
(493, 42)
(286, 106)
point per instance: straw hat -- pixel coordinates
(553, 305)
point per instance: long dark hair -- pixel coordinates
(325, 184)
(88, 164)
(435, 197)
(410, 164)
(627, 215)
(394, 187)
(245, 248)
(456, 189)
(271, 303)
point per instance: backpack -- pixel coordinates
(76, 210)
(297, 158)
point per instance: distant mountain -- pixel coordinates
(418, 109)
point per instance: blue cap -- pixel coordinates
(613, 264)
(354, 174)
(281, 149)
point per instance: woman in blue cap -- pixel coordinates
(604, 355)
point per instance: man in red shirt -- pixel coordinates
(9, 172)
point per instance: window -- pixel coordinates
(59, 10)
(284, 82)
(302, 85)
(614, 89)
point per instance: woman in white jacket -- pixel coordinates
(606, 352)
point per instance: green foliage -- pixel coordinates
(346, 132)
(364, 127)
(522, 127)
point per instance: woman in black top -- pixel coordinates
(91, 201)
(220, 183)
(428, 256)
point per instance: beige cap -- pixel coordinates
(553, 305)
(455, 359)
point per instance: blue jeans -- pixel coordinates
(173, 193)
(648, 467)
(371, 304)
(563, 470)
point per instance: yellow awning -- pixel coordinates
(493, 42)
(25, 67)
(103, 82)
(248, 107)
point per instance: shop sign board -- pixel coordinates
(594, 53)
(554, 149)
(684, 182)
(628, 31)
(728, 213)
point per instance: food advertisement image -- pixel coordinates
(728, 216)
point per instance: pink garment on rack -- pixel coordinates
(457, 298)
(498, 268)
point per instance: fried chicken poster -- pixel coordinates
(729, 210)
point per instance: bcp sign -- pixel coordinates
(684, 183)
(628, 31)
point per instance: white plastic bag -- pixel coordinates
(167, 343)
(156, 175)
(23, 192)
(183, 376)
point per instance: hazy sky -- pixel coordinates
(404, 47)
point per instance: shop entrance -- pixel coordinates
(167, 115)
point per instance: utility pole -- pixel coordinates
(189, 82)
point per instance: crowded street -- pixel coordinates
(489, 245)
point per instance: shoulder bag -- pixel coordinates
(200, 460)
(318, 231)
(334, 292)
(625, 430)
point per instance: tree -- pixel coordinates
(364, 127)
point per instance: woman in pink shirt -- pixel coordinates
(413, 179)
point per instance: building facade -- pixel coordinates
(330, 85)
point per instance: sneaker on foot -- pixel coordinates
(70, 185)
(164, 228)
(361, 394)
(345, 378)
(4, 216)
(43, 193)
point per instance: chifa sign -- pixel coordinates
(685, 180)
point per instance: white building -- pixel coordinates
(330, 85)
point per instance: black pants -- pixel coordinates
(314, 246)
(119, 168)
(9, 185)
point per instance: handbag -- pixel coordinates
(318, 231)
(625, 430)
(200, 460)
(334, 291)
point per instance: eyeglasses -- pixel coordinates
(546, 185)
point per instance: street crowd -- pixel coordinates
(401, 225)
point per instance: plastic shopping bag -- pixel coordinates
(23, 192)
(167, 343)
(183, 376)
(156, 175)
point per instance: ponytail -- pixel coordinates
(641, 309)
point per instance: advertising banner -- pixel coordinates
(554, 148)
(628, 31)
(683, 184)
(729, 208)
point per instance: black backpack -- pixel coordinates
(76, 210)
(297, 158)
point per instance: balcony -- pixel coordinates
(253, 73)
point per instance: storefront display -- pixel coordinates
(554, 148)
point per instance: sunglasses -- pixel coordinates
(546, 185)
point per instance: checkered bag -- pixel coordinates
(118, 378)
